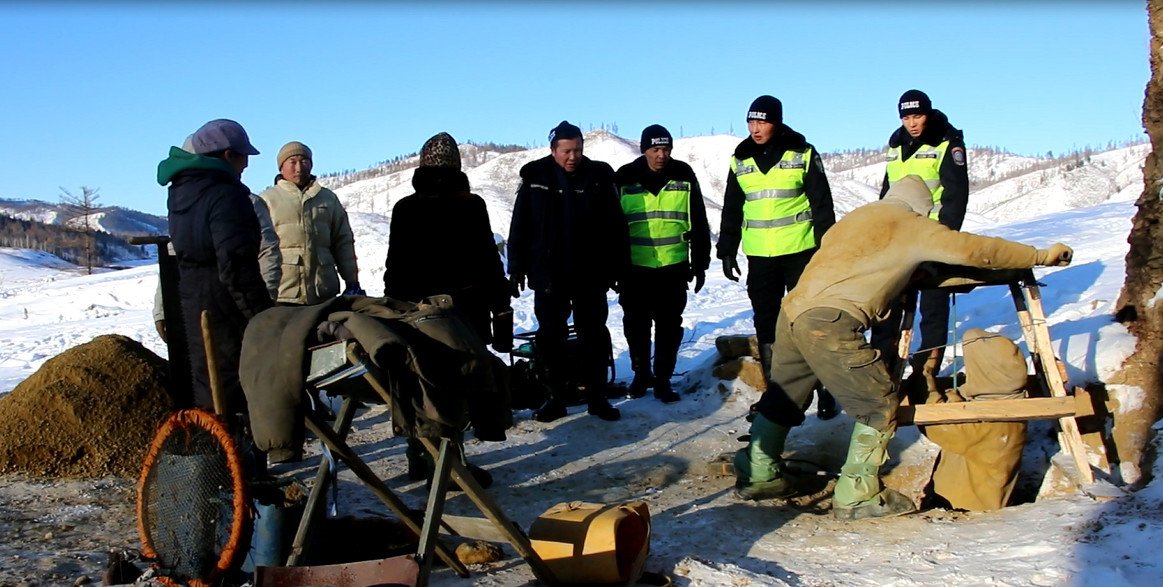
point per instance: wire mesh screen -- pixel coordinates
(190, 499)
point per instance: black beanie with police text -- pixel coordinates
(655, 135)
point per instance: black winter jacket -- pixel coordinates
(766, 156)
(215, 235)
(954, 172)
(699, 237)
(441, 242)
(568, 231)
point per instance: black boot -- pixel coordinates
(826, 407)
(765, 362)
(664, 392)
(643, 377)
(599, 406)
(551, 410)
(642, 382)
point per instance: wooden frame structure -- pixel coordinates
(1054, 400)
(333, 366)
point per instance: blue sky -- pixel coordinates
(95, 95)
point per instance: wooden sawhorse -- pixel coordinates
(1054, 401)
(335, 366)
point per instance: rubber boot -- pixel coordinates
(759, 467)
(598, 405)
(858, 492)
(826, 407)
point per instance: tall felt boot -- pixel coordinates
(858, 490)
(759, 467)
(482, 477)
(922, 382)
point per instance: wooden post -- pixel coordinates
(212, 366)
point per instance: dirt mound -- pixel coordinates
(88, 412)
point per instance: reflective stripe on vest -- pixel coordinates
(658, 223)
(926, 164)
(777, 217)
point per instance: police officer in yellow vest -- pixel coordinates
(670, 245)
(928, 146)
(778, 205)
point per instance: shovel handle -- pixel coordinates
(212, 366)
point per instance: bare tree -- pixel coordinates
(79, 212)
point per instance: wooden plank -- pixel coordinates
(472, 527)
(1068, 437)
(1004, 410)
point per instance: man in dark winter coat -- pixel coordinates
(778, 205)
(670, 245)
(441, 241)
(215, 235)
(568, 239)
(928, 146)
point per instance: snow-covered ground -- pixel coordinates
(702, 535)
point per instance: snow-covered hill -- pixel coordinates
(111, 219)
(1006, 186)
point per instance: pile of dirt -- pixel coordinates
(89, 412)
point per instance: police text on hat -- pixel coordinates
(655, 135)
(767, 109)
(564, 131)
(914, 102)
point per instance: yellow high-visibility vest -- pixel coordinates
(777, 217)
(926, 164)
(658, 223)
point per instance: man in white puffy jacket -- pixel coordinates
(315, 237)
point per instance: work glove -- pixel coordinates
(699, 276)
(517, 284)
(160, 325)
(354, 290)
(731, 268)
(1058, 255)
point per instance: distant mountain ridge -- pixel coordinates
(115, 220)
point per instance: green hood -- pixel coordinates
(180, 161)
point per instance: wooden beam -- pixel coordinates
(1004, 410)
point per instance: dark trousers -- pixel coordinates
(227, 337)
(654, 296)
(589, 309)
(934, 328)
(829, 345)
(768, 279)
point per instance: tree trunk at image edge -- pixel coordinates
(1136, 307)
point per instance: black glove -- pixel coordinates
(699, 276)
(517, 284)
(731, 268)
